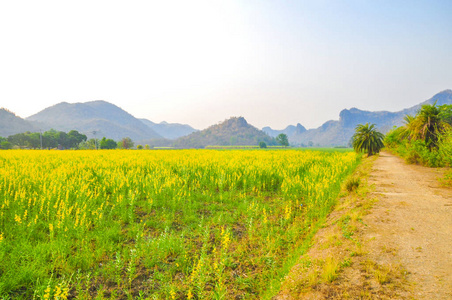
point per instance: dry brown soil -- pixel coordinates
(414, 217)
(402, 242)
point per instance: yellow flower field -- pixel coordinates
(174, 224)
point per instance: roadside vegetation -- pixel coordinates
(188, 224)
(425, 138)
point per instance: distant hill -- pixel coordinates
(99, 116)
(289, 130)
(169, 130)
(234, 131)
(11, 124)
(339, 133)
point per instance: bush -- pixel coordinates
(445, 147)
(5, 145)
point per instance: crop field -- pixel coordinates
(166, 224)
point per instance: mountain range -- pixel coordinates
(100, 118)
(170, 131)
(339, 133)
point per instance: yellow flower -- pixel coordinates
(57, 292)
(17, 219)
(47, 293)
(173, 294)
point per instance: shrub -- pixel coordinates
(352, 184)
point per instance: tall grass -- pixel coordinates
(166, 224)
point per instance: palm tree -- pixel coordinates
(367, 139)
(408, 130)
(428, 124)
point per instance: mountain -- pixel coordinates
(170, 131)
(101, 117)
(289, 130)
(339, 133)
(234, 131)
(11, 124)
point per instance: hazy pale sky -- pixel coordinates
(200, 62)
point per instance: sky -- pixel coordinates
(275, 63)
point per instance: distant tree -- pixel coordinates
(139, 147)
(22, 140)
(262, 145)
(34, 140)
(367, 139)
(147, 147)
(4, 144)
(75, 138)
(50, 139)
(107, 144)
(90, 144)
(126, 143)
(63, 140)
(283, 139)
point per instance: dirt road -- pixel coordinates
(392, 239)
(413, 220)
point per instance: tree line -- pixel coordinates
(53, 139)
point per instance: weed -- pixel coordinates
(330, 269)
(352, 184)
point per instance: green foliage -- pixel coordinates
(283, 139)
(50, 139)
(394, 137)
(425, 138)
(428, 124)
(262, 145)
(445, 147)
(126, 143)
(139, 147)
(90, 144)
(5, 145)
(75, 138)
(108, 144)
(367, 139)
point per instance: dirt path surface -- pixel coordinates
(413, 220)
